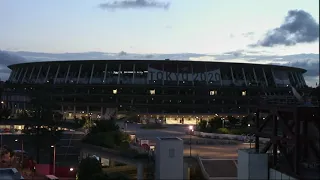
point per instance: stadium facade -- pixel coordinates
(174, 91)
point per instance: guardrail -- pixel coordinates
(203, 171)
(243, 137)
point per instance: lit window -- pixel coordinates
(115, 91)
(244, 93)
(212, 93)
(153, 91)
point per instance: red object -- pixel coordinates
(45, 169)
(145, 147)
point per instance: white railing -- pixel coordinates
(243, 137)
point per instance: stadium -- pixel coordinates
(177, 92)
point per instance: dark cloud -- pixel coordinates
(7, 58)
(234, 53)
(122, 53)
(298, 27)
(149, 56)
(4, 69)
(310, 64)
(134, 4)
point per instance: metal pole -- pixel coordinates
(54, 160)
(22, 153)
(190, 142)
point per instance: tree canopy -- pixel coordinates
(106, 133)
(88, 167)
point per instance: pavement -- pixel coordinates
(212, 150)
(218, 158)
(220, 169)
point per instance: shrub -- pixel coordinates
(152, 126)
(240, 131)
(223, 131)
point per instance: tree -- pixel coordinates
(43, 105)
(4, 113)
(215, 123)
(233, 121)
(106, 133)
(100, 176)
(88, 167)
(245, 121)
(105, 126)
(117, 176)
(203, 125)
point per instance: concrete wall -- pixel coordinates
(277, 175)
(169, 159)
(252, 165)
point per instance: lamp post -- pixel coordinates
(22, 151)
(249, 137)
(190, 136)
(54, 159)
(1, 104)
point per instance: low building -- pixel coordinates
(10, 174)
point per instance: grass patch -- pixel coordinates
(153, 126)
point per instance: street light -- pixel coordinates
(190, 131)
(71, 169)
(54, 159)
(22, 151)
(250, 138)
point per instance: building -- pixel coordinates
(10, 173)
(177, 92)
(169, 162)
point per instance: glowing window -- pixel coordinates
(244, 93)
(115, 91)
(152, 91)
(212, 93)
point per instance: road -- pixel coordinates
(205, 151)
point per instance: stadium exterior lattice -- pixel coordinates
(174, 91)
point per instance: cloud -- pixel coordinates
(248, 34)
(237, 53)
(7, 59)
(10, 58)
(298, 27)
(122, 53)
(312, 65)
(134, 4)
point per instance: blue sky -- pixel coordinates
(282, 32)
(202, 26)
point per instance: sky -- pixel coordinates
(206, 27)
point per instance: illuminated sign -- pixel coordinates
(158, 75)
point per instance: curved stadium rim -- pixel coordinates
(157, 62)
